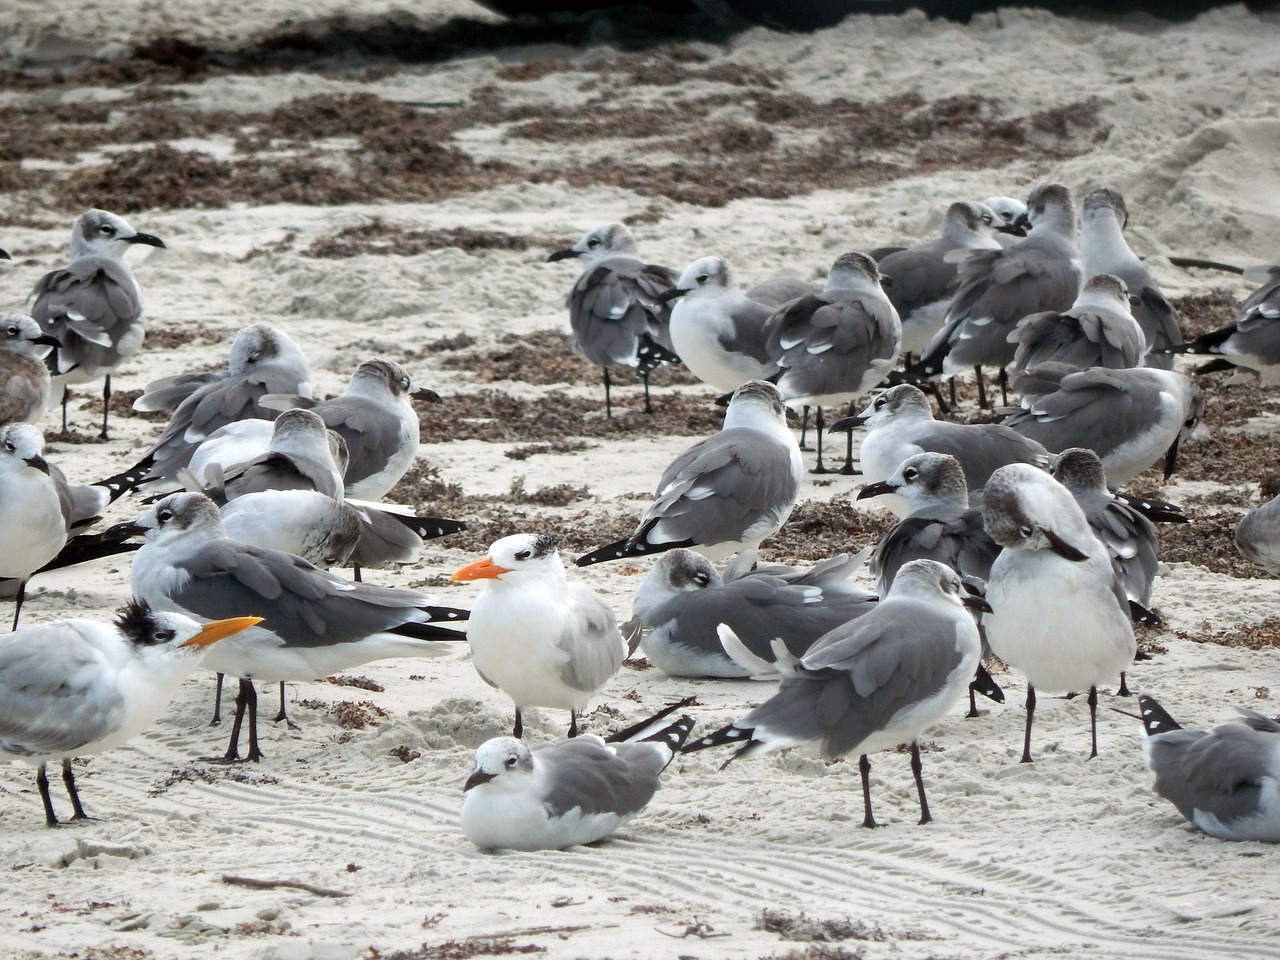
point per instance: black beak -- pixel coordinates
(877, 490)
(148, 239)
(567, 254)
(123, 531)
(1014, 229)
(425, 395)
(975, 602)
(675, 293)
(791, 415)
(4, 254)
(1171, 458)
(847, 424)
(477, 778)
(47, 340)
(1021, 224)
(1064, 549)
(39, 463)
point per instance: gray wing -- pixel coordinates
(1158, 320)
(981, 449)
(962, 543)
(168, 392)
(776, 291)
(55, 700)
(383, 539)
(372, 434)
(1083, 339)
(88, 305)
(827, 347)
(919, 276)
(584, 774)
(1099, 409)
(281, 471)
(1131, 540)
(748, 332)
(592, 641)
(613, 304)
(1219, 772)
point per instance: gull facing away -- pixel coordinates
(92, 306)
(1130, 418)
(313, 623)
(568, 792)
(1096, 331)
(684, 599)
(1106, 251)
(24, 378)
(1058, 613)
(1226, 781)
(1249, 344)
(1258, 532)
(541, 640)
(614, 306)
(997, 288)
(77, 688)
(900, 424)
(836, 345)
(725, 493)
(873, 684)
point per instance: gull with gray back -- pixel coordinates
(1249, 344)
(1097, 331)
(24, 377)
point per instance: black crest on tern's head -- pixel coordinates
(1104, 199)
(543, 545)
(1079, 468)
(140, 625)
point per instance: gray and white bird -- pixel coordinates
(614, 307)
(24, 377)
(1226, 780)
(1012, 214)
(900, 424)
(1258, 532)
(835, 346)
(725, 493)
(997, 288)
(93, 306)
(684, 599)
(1058, 613)
(34, 515)
(556, 795)
(1131, 418)
(875, 683)
(1105, 250)
(537, 637)
(77, 688)
(1249, 344)
(1096, 331)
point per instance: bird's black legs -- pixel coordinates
(916, 768)
(1004, 386)
(66, 395)
(864, 769)
(106, 403)
(820, 427)
(518, 730)
(1093, 722)
(355, 573)
(1124, 687)
(648, 407)
(1031, 712)
(217, 704)
(804, 428)
(251, 697)
(17, 602)
(573, 723)
(283, 715)
(233, 748)
(42, 784)
(973, 701)
(608, 399)
(849, 470)
(982, 389)
(69, 781)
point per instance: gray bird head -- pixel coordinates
(905, 401)
(604, 241)
(381, 374)
(1049, 207)
(253, 346)
(932, 580)
(504, 763)
(1023, 508)
(708, 276)
(300, 432)
(1104, 288)
(853, 271)
(175, 516)
(1102, 202)
(99, 233)
(683, 570)
(965, 220)
(924, 480)
(1079, 468)
(22, 448)
(757, 395)
(21, 334)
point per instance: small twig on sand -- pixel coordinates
(534, 931)
(274, 884)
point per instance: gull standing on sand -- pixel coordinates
(92, 306)
(76, 688)
(725, 493)
(875, 683)
(568, 792)
(1225, 781)
(24, 378)
(1249, 344)
(1058, 613)
(836, 345)
(684, 599)
(614, 307)
(541, 640)
(1096, 331)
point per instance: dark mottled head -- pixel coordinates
(682, 569)
(1079, 468)
(180, 514)
(759, 393)
(252, 346)
(102, 233)
(905, 401)
(925, 479)
(18, 332)
(602, 241)
(853, 271)
(1023, 508)
(1104, 199)
(1050, 204)
(385, 373)
(965, 217)
(706, 273)
(1105, 285)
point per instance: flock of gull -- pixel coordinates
(1012, 540)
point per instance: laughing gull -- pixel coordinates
(1096, 331)
(314, 623)
(33, 513)
(1058, 613)
(375, 416)
(725, 493)
(76, 688)
(875, 683)
(262, 361)
(900, 424)
(1012, 222)
(997, 288)
(837, 345)
(1105, 250)
(541, 640)
(684, 599)
(1249, 344)
(1225, 780)
(614, 307)
(24, 378)
(1130, 418)
(92, 306)
(556, 795)
(1258, 532)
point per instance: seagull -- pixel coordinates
(76, 688)
(556, 795)
(1249, 344)
(1012, 214)
(997, 288)
(1258, 532)
(313, 623)
(32, 517)
(832, 347)
(1225, 781)
(376, 418)
(541, 640)
(684, 599)
(614, 307)
(1106, 251)
(1096, 331)
(725, 493)
(92, 306)
(262, 360)
(1130, 418)
(1059, 614)
(900, 424)
(875, 683)
(24, 378)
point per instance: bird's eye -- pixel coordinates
(593, 243)
(164, 636)
(253, 357)
(107, 230)
(1025, 532)
(1191, 422)
(703, 278)
(404, 383)
(13, 331)
(512, 761)
(701, 578)
(910, 473)
(880, 402)
(986, 218)
(523, 554)
(165, 515)
(8, 445)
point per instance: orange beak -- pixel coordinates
(484, 569)
(215, 630)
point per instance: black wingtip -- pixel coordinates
(1155, 719)
(128, 480)
(721, 737)
(1157, 511)
(673, 737)
(1140, 614)
(622, 549)
(440, 614)
(428, 631)
(627, 733)
(429, 528)
(650, 354)
(986, 685)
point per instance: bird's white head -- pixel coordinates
(516, 559)
(603, 241)
(935, 581)
(1049, 209)
(706, 277)
(1024, 508)
(154, 632)
(22, 448)
(903, 402)
(176, 516)
(102, 234)
(503, 763)
(20, 333)
(925, 479)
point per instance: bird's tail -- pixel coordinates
(439, 613)
(673, 736)
(1140, 614)
(727, 735)
(428, 528)
(634, 546)
(650, 354)
(636, 730)
(427, 631)
(128, 481)
(1155, 719)
(1157, 511)
(1210, 342)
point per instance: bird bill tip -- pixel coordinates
(216, 630)
(477, 777)
(484, 569)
